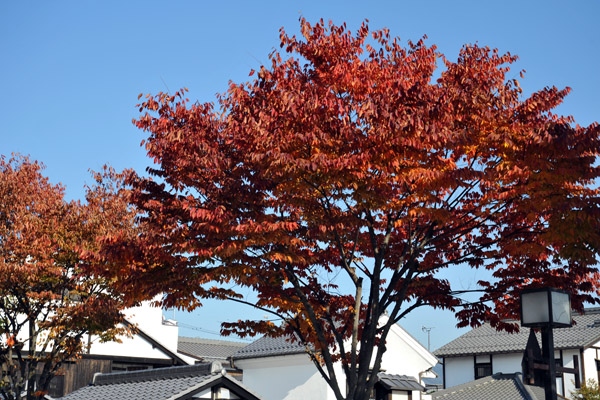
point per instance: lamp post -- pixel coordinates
(546, 309)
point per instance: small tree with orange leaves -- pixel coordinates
(48, 302)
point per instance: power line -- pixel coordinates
(208, 331)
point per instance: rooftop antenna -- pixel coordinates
(428, 330)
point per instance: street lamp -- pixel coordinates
(546, 308)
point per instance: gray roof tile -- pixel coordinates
(208, 349)
(156, 384)
(399, 382)
(485, 339)
(495, 387)
(268, 347)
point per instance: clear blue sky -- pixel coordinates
(70, 73)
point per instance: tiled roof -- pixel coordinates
(268, 346)
(208, 349)
(399, 382)
(485, 339)
(157, 384)
(495, 387)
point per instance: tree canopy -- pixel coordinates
(347, 174)
(49, 302)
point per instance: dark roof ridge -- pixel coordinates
(156, 374)
(526, 389)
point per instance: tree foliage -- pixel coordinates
(345, 177)
(48, 302)
(588, 391)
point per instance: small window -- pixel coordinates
(483, 366)
(558, 363)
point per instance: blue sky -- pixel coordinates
(70, 73)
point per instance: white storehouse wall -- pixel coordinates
(294, 377)
(289, 377)
(150, 320)
(458, 370)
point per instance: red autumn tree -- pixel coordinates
(344, 178)
(48, 302)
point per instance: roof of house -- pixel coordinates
(399, 382)
(208, 349)
(280, 346)
(585, 332)
(268, 347)
(494, 387)
(171, 383)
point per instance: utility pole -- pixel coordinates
(428, 330)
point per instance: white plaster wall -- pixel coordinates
(223, 393)
(400, 396)
(402, 356)
(291, 377)
(129, 347)
(150, 320)
(569, 379)
(205, 394)
(589, 364)
(147, 318)
(506, 363)
(294, 377)
(459, 370)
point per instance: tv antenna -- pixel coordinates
(428, 330)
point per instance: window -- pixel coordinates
(483, 366)
(558, 364)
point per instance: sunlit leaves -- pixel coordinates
(49, 300)
(344, 177)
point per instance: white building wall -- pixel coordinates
(147, 318)
(400, 396)
(291, 377)
(294, 377)
(150, 320)
(506, 363)
(459, 370)
(402, 358)
(569, 379)
(589, 363)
